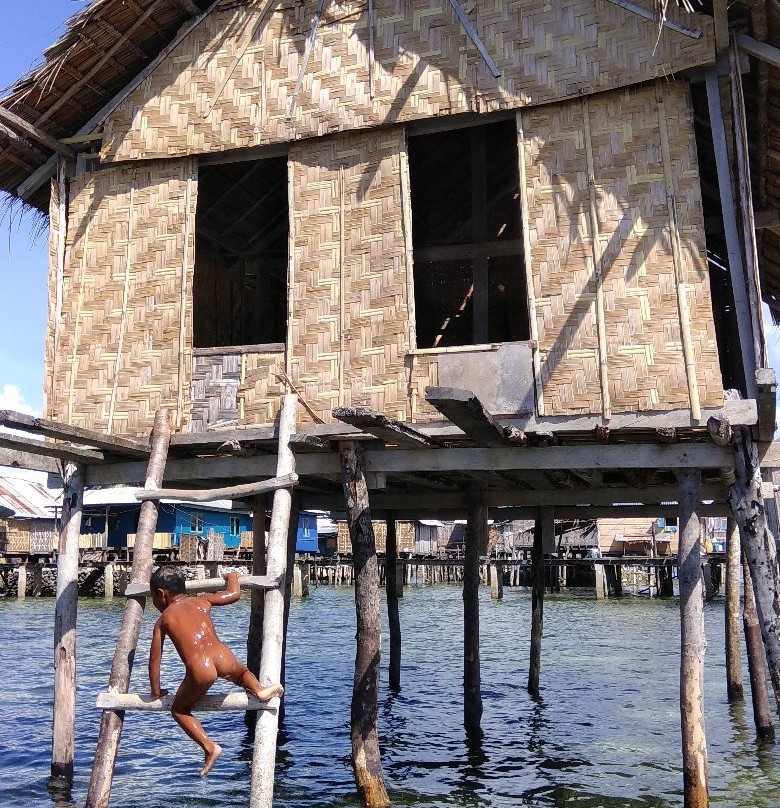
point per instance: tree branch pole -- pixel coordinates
(254, 640)
(65, 610)
(476, 535)
(292, 538)
(734, 688)
(692, 644)
(537, 602)
(99, 790)
(762, 715)
(261, 789)
(366, 760)
(393, 616)
(758, 544)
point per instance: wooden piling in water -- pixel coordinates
(99, 789)
(496, 581)
(366, 761)
(601, 580)
(476, 535)
(544, 532)
(392, 594)
(108, 581)
(65, 609)
(759, 691)
(692, 644)
(293, 572)
(734, 688)
(254, 640)
(21, 581)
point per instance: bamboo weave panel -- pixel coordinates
(423, 370)
(424, 65)
(261, 389)
(100, 219)
(213, 391)
(349, 331)
(645, 364)
(404, 537)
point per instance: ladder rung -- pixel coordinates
(211, 702)
(210, 585)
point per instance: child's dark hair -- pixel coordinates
(170, 578)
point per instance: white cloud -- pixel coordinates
(12, 398)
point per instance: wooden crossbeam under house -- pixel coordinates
(209, 585)
(211, 702)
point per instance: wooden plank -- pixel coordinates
(232, 492)
(634, 8)
(733, 246)
(306, 54)
(133, 447)
(720, 13)
(766, 382)
(211, 702)
(761, 50)
(264, 347)
(474, 37)
(135, 590)
(27, 460)
(386, 429)
(37, 134)
(466, 411)
(34, 447)
(8, 136)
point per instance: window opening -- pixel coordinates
(241, 229)
(234, 525)
(196, 523)
(469, 275)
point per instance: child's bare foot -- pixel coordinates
(270, 692)
(210, 759)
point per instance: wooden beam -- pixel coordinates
(37, 134)
(465, 410)
(59, 431)
(211, 702)
(9, 137)
(232, 492)
(386, 429)
(79, 140)
(766, 382)
(761, 50)
(720, 13)
(26, 460)
(634, 8)
(307, 49)
(476, 543)
(137, 590)
(68, 453)
(474, 37)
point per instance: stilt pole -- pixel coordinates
(366, 760)
(63, 725)
(21, 581)
(476, 537)
(692, 642)
(99, 790)
(758, 544)
(734, 689)
(292, 537)
(261, 789)
(254, 640)
(544, 533)
(759, 692)
(391, 587)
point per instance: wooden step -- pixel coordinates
(211, 702)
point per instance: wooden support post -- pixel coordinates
(122, 580)
(297, 584)
(21, 581)
(543, 528)
(692, 644)
(254, 640)
(476, 535)
(762, 715)
(706, 575)
(99, 790)
(292, 538)
(63, 724)
(366, 761)
(734, 687)
(37, 581)
(758, 544)
(261, 789)
(601, 581)
(393, 583)
(108, 581)
(496, 581)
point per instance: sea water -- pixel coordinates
(604, 733)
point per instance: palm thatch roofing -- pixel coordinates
(109, 42)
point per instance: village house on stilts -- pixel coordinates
(420, 259)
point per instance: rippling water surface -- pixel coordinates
(605, 732)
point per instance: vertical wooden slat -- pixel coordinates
(185, 263)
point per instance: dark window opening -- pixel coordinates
(469, 275)
(241, 229)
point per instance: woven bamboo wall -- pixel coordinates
(126, 292)
(349, 330)
(227, 85)
(404, 537)
(645, 369)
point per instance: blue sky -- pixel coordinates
(28, 27)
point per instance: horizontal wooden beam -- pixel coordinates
(211, 702)
(37, 134)
(259, 582)
(761, 50)
(28, 446)
(59, 431)
(232, 492)
(386, 429)
(26, 460)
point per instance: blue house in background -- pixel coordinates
(307, 539)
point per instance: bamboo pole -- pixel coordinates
(254, 640)
(65, 610)
(393, 616)
(692, 644)
(261, 789)
(758, 544)
(366, 761)
(759, 693)
(734, 688)
(476, 534)
(99, 790)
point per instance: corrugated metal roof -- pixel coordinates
(28, 499)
